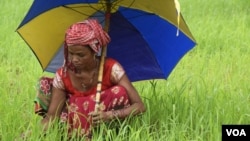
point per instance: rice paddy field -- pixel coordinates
(209, 87)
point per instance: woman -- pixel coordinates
(74, 84)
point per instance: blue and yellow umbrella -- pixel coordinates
(147, 37)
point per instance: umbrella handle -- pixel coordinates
(103, 55)
(99, 82)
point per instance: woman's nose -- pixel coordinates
(74, 58)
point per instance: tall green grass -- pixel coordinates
(209, 86)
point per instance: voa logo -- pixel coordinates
(236, 132)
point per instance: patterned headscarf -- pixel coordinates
(88, 32)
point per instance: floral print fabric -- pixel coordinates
(79, 107)
(42, 100)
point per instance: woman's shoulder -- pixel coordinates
(59, 71)
(110, 61)
(115, 68)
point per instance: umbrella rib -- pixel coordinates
(103, 7)
(72, 8)
(116, 3)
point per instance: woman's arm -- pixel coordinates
(136, 105)
(57, 103)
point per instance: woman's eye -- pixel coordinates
(70, 54)
(80, 55)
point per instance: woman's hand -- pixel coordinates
(100, 116)
(45, 123)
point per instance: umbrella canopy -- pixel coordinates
(143, 33)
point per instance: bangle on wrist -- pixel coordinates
(122, 115)
(118, 113)
(115, 114)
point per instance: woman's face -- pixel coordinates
(81, 57)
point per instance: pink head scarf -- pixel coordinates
(88, 32)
